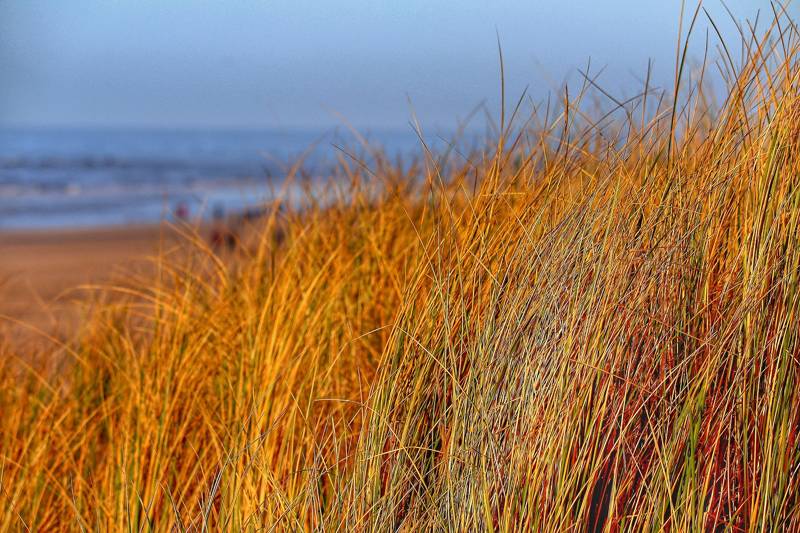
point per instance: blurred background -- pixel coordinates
(117, 112)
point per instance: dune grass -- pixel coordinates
(591, 324)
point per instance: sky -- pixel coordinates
(312, 64)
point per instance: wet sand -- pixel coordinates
(40, 271)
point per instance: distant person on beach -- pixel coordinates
(222, 236)
(181, 211)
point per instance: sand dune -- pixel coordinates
(41, 271)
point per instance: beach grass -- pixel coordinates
(590, 323)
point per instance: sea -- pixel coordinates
(69, 178)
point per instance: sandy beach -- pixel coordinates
(41, 271)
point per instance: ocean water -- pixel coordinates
(73, 178)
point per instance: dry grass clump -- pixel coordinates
(593, 325)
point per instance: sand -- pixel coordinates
(40, 271)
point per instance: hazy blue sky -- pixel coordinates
(297, 63)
